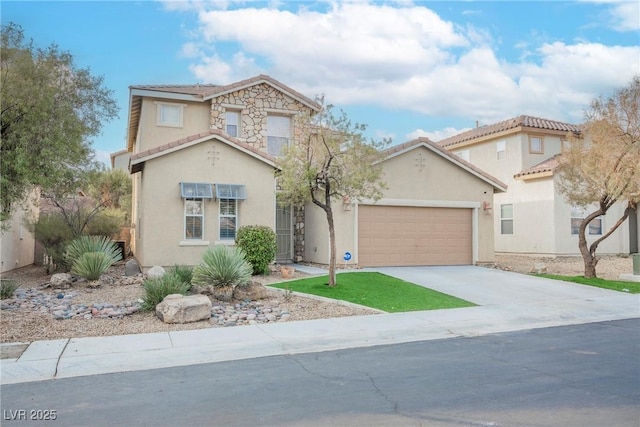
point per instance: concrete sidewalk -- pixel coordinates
(507, 302)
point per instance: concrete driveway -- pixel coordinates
(487, 286)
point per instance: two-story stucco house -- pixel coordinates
(532, 217)
(203, 159)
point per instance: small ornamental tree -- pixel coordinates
(330, 160)
(602, 165)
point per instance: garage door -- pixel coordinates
(399, 235)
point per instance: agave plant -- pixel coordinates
(84, 244)
(157, 288)
(90, 256)
(223, 267)
(91, 265)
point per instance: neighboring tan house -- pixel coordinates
(18, 243)
(120, 160)
(436, 210)
(203, 163)
(203, 160)
(532, 217)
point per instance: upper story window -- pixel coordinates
(464, 155)
(171, 115)
(501, 150)
(278, 134)
(232, 126)
(536, 145)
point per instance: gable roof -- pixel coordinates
(513, 125)
(447, 155)
(199, 93)
(138, 159)
(540, 170)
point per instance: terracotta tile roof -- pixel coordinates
(449, 155)
(206, 91)
(548, 165)
(136, 158)
(514, 123)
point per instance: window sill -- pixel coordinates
(225, 242)
(193, 243)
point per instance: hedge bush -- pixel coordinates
(259, 245)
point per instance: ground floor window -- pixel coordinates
(578, 214)
(506, 219)
(193, 219)
(228, 218)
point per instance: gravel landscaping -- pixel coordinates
(38, 312)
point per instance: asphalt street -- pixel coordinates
(581, 375)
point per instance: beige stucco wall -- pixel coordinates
(542, 222)
(160, 224)
(533, 217)
(18, 244)
(438, 183)
(150, 134)
(567, 244)
(317, 232)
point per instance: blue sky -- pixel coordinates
(405, 68)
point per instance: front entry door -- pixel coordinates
(284, 233)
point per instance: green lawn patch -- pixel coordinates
(376, 290)
(615, 285)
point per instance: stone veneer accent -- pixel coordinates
(254, 104)
(298, 234)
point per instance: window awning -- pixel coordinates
(194, 190)
(231, 191)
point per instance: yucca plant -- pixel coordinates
(84, 244)
(91, 265)
(90, 256)
(223, 267)
(183, 272)
(7, 288)
(157, 288)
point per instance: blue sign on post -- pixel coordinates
(347, 256)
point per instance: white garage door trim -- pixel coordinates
(475, 206)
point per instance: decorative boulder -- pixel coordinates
(176, 308)
(155, 271)
(61, 280)
(251, 291)
(131, 268)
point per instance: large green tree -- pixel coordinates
(601, 166)
(50, 108)
(330, 160)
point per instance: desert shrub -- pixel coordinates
(7, 288)
(223, 266)
(54, 234)
(259, 245)
(106, 223)
(183, 272)
(84, 244)
(157, 288)
(91, 265)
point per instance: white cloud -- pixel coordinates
(626, 16)
(437, 135)
(623, 15)
(407, 58)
